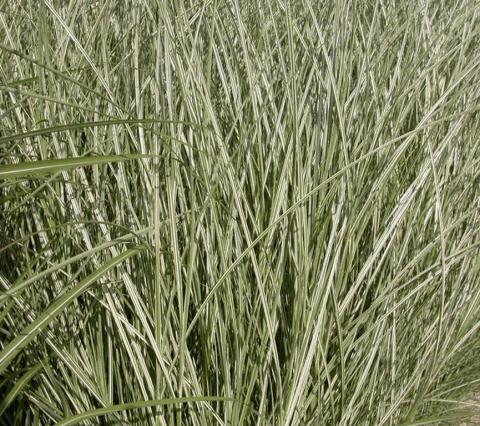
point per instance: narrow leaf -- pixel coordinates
(73, 420)
(44, 319)
(43, 167)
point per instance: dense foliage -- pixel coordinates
(239, 212)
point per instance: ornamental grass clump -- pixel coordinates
(239, 212)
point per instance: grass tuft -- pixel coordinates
(239, 212)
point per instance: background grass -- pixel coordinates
(239, 212)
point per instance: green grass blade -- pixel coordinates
(45, 167)
(19, 386)
(12, 349)
(73, 420)
(77, 126)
